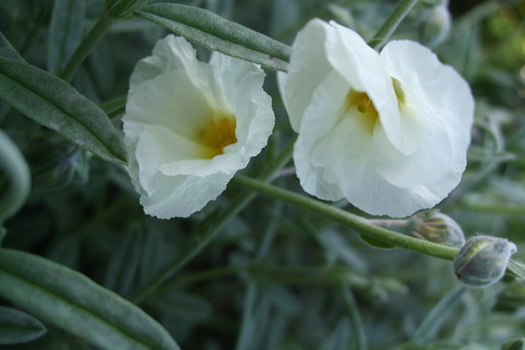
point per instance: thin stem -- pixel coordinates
(389, 26)
(387, 223)
(348, 219)
(95, 34)
(354, 315)
(210, 227)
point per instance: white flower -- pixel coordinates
(190, 126)
(388, 132)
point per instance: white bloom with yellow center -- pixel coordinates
(389, 132)
(190, 126)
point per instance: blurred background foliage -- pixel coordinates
(277, 277)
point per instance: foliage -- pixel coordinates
(82, 267)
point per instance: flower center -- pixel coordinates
(363, 104)
(219, 133)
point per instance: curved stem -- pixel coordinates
(389, 26)
(348, 219)
(13, 164)
(95, 34)
(388, 222)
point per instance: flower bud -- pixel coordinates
(433, 226)
(514, 344)
(436, 28)
(55, 164)
(482, 260)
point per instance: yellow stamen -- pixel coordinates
(362, 102)
(219, 133)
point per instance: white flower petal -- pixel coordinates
(190, 126)
(361, 66)
(440, 105)
(169, 54)
(310, 63)
(407, 156)
(171, 100)
(320, 118)
(251, 105)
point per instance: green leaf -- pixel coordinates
(216, 33)
(15, 168)
(53, 103)
(7, 50)
(516, 269)
(65, 32)
(514, 344)
(436, 317)
(375, 243)
(18, 327)
(77, 304)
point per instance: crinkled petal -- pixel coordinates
(315, 158)
(308, 63)
(170, 104)
(408, 161)
(184, 195)
(241, 83)
(440, 108)
(171, 100)
(169, 54)
(361, 66)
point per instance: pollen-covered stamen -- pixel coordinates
(362, 102)
(219, 133)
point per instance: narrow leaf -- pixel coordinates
(77, 304)
(435, 318)
(18, 327)
(53, 103)
(216, 33)
(65, 32)
(14, 167)
(7, 50)
(516, 269)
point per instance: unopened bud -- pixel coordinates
(436, 28)
(56, 163)
(482, 260)
(514, 344)
(433, 226)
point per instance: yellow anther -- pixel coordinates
(219, 133)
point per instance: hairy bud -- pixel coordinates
(482, 260)
(433, 226)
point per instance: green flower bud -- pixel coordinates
(482, 260)
(433, 226)
(55, 164)
(514, 344)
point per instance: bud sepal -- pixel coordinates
(482, 260)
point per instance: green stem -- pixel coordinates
(13, 164)
(210, 227)
(95, 34)
(348, 219)
(354, 315)
(389, 26)
(388, 223)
